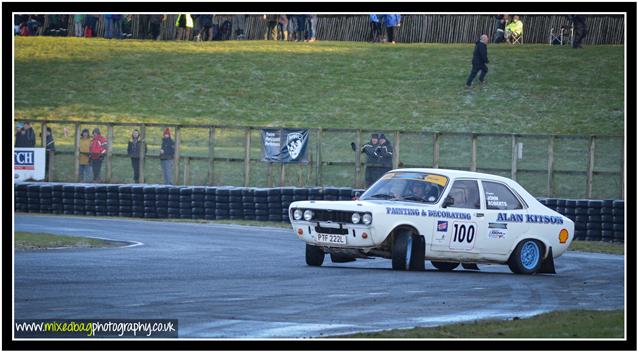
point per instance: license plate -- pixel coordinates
(333, 239)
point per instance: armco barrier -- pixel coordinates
(596, 220)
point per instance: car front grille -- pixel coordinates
(333, 216)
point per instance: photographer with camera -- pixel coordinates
(379, 154)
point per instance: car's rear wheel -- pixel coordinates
(527, 257)
(314, 255)
(445, 266)
(408, 252)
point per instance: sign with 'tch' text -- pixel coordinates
(28, 164)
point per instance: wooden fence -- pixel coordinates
(602, 29)
(553, 165)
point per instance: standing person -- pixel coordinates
(580, 30)
(97, 152)
(271, 27)
(108, 26)
(479, 61)
(116, 21)
(184, 26)
(283, 27)
(85, 148)
(167, 153)
(89, 25)
(206, 24)
(78, 22)
(392, 23)
(240, 26)
(292, 27)
(21, 137)
(313, 28)
(134, 150)
(301, 28)
(29, 135)
(379, 157)
(50, 150)
(156, 25)
(375, 28)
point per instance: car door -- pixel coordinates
(456, 231)
(504, 214)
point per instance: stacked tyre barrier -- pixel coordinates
(595, 220)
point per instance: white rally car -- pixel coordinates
(449, 217)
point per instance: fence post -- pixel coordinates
(142, 151)
(319, 162)
(109, 153)
(270, 181)
(77, 152)
(176, 157)
(514, 157)
(397, 150)
(550, 166)
(590, 165)
(43, 134)
(211, 155)
(357, 160)
(247, 158)
(473, 166)
(282, 176)
(187, 170)
(435, 158)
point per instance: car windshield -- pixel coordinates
(407, 186)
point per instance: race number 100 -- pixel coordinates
(463, 236)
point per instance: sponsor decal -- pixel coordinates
(497, 233)
(529, 218)
(441, 226)
(496, 225)
(24, 160)
(427, 213)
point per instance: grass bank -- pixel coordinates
(42, 241)
(564, 324)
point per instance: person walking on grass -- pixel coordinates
(167, 153)
(97, 152)
(479, 61)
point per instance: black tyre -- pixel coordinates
(314, 255)
(445, 266)
(408, 252)
(527, 257)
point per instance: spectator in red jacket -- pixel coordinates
(97, 151)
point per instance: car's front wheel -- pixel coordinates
(445, 266)
(314, 255)
(408, 252)
(526, 258)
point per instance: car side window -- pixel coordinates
(465, 194)
(500, 197)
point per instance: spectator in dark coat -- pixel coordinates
(379, 157)
(25, 136)
(271, 23)
(134, 150)
(580, 30)
(479, 61)
(167, 153)
(156, 25)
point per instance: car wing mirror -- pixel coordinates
(448, 201)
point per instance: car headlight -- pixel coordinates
(297, 214)
(308, 214)
(367, 219)
(356, 218)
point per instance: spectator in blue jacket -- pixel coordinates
(392, 23)
(108, 26)
(375, 28)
